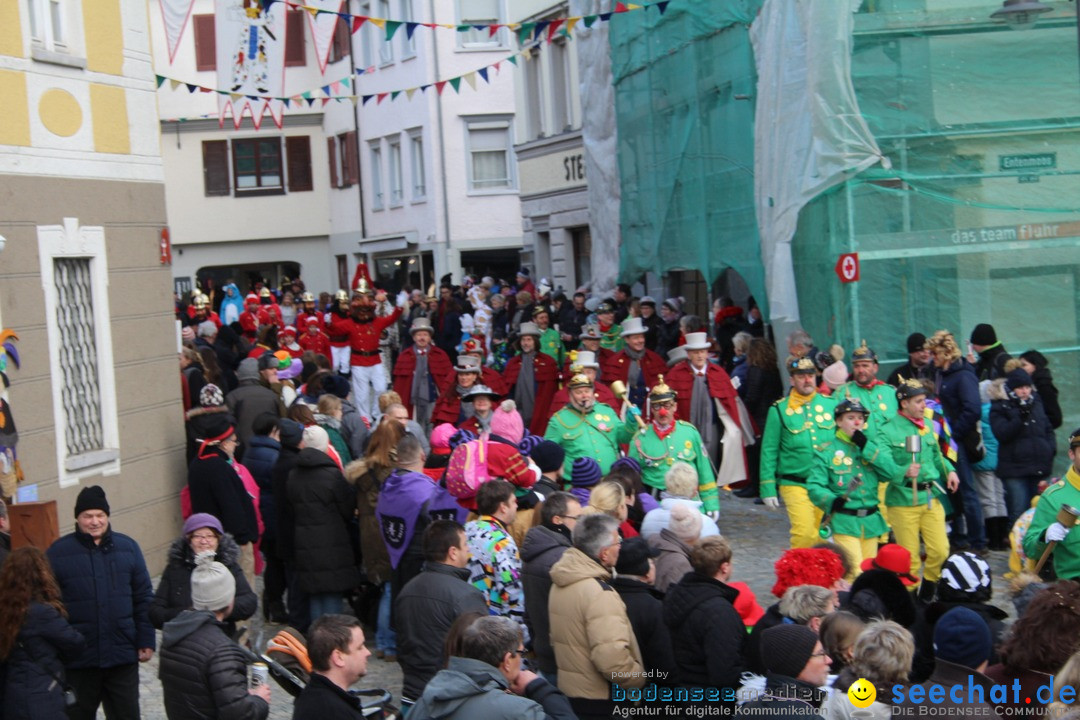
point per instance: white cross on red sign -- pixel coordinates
(847, 267)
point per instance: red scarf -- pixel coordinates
(663, 433)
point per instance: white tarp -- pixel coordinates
(250, 59)
(175, 14)
(808, 132)
(322, 27)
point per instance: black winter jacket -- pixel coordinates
(1025, 439)
(706, 632)
(322, 503)
(44, 641)
(644, 608)
(991, 363)
(284, 517)
(107, 592)
(173, 595)
(752, 649)
(958, 389)
(259, 458)
(204, 673)
(762, 388)
(323, 700)
(424, 611)
(217, 489)
(247, 402)
(541, 549)
(1044, 384)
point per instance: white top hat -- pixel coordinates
(697, 341)
(676, 355)
(633, 326)
(586, 359)
(467, 364)
(529, 328)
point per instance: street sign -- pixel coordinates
(1033, 162)
(847, 267)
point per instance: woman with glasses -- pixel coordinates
(202, 533)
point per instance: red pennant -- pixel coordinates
(492, 29)
(380, 97)
(357, 22)
(621, 8)
(553, 27)
(439, 86)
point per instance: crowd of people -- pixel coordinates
(518, 495)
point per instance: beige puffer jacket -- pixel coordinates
(592, 637)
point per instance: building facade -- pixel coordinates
(97, 398)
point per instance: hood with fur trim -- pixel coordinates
(228, 552)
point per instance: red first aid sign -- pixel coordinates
(847, 267)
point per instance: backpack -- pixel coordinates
(468, 469)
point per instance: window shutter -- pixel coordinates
(298, 157)
(331, 153)
(340, 47)
(205, 42)
(215, 155)
(352, 159)
(294, 39)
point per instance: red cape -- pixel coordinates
(439, 366)
(547, 383)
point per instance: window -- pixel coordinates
(257, 166)
(534, 99)
(376, 176)
(202, 27)
(48, 24)
(386, 48)
(339, 47)
(350, 159)
(416, 162)
(215, 155)
(479, 12)
(397, 187)
(582, 241)
(561, 106)
(408, 44)
(368, 38)
(489, 161)
(75, 279)
(295, 53)
(298, 163)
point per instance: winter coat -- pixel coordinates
(322, 503)
(283, 518)
(250, 400)
(424, 611)
(752, 649)
(1044, 385)
(473, 690)
(706, 631)
(368, 480)
(1025, 439)
(673, 560)
(994, 390)
(542, 548)
(762, 388)
(321, 699)
(658, 519)
(594, 643)
(217, 489)
(259, 458)
(204, 673)
(173, 595)
(958, 390)
(198, 422)
(495, 568)
(332, 426)
(991, 362)
(353, 429)
(786, 698)
(667, 337)
(644, 608)
(45, 641)
(107, 592)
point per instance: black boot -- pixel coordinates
(926, 592)
(1001, 533)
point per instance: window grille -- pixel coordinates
(84, 431)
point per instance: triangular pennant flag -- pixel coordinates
(555, 24)
(357, 21)
(497, 65)
(512, 60)
(483, 74)
(423, 88)
(377, 22)
(409, 93)
(410, 28)
(439, 86)
(456, 84)
(336, 86)
(605, 16)
(471, 79)
(235, 96)
(313, 10)
(346, 83)
(391, 28)
(174, 83)
(662, 6)
(205, 89)
(380, 97)
(589, 20)
(306, 95)
(570, 23)
(620, 7)
(524, 30)
(633, 6)
(539, 28)
(286, 101)
(481, 27)
(462, 28)
(191, 88)
(366, 98)
(253, 98)
(393, 95)
(492, 29)
(159, 79)
(325, 89)
(355, 99)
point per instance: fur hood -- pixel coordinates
(355, 470)
(997, 390)
(203, 411)
(228, 552)
(328, 420)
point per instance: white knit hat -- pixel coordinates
(316, 437)
(213, 586)
(685, 522)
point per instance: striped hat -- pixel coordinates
(966, 572)
(585, 472)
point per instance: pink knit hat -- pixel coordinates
(835, 375)
(440, 436)
(507, 423)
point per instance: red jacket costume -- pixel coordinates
(250, 323)
(681, 379)
(302, 320)
(439, 367)
(618, 367)
(364, 339)
(448, 407)
(211, 316)
(317, 343)
(603, 395)
(273, 313)
(339, 329)
(492, 378)
(547, 383)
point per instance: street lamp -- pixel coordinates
(1020, 14)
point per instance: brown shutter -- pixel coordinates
(352, 159)
(215, 154)
(331, 153)
(294, 39)
(298, 157)
(340, 47)
(205, 47)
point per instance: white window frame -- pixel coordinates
(491, 122)
(45, 46)
(378, 194)
(72, 241)
(368, 38)
(417, 165)
(386, 48)
(535, 126)
(468, 41)
(408, 44)
(561, 93)
(396, 174)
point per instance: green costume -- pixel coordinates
(892, 437)
(612, 339)
(880, 400)
(551, 345)
(683, 443)
(790, 439)
(596, 434)
(837, 462)
(1066, 555)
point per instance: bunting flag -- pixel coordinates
(250, 60)
(175, 14)
(323, 21)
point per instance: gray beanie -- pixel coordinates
(213, 586)
(785, 649)
(248, 370)
(685, 522)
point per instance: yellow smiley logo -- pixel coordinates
(862, 693)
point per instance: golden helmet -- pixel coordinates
(363, 287)
(307, 297)
(341, 296)
(199, 301)
(265, 292)
(580, 380)
(660, 392)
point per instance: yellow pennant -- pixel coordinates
(471, 79)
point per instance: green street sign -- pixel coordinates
(1032, 162)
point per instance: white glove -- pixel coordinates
(713, 515)
(771, 502)
(1056, 532)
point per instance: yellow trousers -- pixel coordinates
(805, 517)
(909, 523)
(857, 550)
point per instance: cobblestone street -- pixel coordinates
(758, 536)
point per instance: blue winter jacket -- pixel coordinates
(260, 456)
(958, 390)
(107, 592)
(44, 641)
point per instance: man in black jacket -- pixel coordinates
(292, 441)
(797, 670)
(430, 603)
(644, 608)
(338, 659)
(203, 672)
(992, 354)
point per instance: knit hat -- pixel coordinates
(634, 554)
(585, 472)
(248, 370)
(674, 303)
(211, 396)
(506, 422)
(835, 375)
(685, 522)
(268, 361)
(188, 333)
(1018, 378)
(316, 437)
(336, 385)
(440, 436)
(213, 586)
(628, 463)
(460, 437)
(746, 604)
(916, 342)
(91, 498)
(785, 649)
(529, 442)
(207, 328)
(548, 456)
(983, 334)
(198, 521)
(290, 432)
(806, 566)
(962, 637)
(965, 572)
